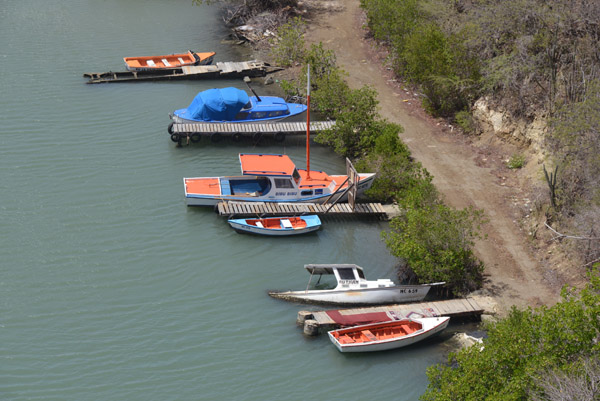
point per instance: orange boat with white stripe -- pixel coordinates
(169, 61)
(271, 178)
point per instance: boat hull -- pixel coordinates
(197, 199)
(431, 327)
(368, 296)
(312, 224)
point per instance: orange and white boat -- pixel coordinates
(170, 61)
(271, 178)
(387, 335)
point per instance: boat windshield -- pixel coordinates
(296, 176)
(361, 274)
(346, 273)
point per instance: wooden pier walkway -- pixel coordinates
(315, 322)
(192, 132)
(253, 209)
(240, 69)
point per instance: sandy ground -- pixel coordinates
(463, 173)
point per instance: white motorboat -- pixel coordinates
(353, 288)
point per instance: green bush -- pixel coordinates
(465, 121)
(521, 349)
(289, 47)
(516, 161)
(435, 242)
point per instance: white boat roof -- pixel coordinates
(329, 268)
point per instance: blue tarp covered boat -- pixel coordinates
(234, 105)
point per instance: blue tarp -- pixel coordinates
(217, 104)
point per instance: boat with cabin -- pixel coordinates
(271, 178)
(387, 335)
(352, 288)
(169, 61)
(232, 105)
(277, 226)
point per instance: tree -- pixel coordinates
(521, 349)
(435, 242)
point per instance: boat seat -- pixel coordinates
(150, 63)
(369, 335)
(344, 339)
(165, 62)
(259, 224)
(181, 60)
(286, 223)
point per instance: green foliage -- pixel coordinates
(399, 178)
(424, 54)
(516, 161)
(435, 242)
(465, 121)
(392, 20)
(289, 47)
(354, 110)
(520, 349)
(575, 140)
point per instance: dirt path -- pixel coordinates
(514, 276)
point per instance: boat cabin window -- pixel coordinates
(258, 114)
(296, 176)
(361, 274)
(243, 115)
(278, 113)
(346, 274)
(306, 193)
(283, 183)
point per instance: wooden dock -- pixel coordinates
(192, 132)
(315, 322)
(253, 209)
(251, 68)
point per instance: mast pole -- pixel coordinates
(308, 122)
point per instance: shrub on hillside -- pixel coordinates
(521, 349)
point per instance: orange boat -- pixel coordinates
(152, 63)
(386, 335)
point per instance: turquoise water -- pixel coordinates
(110, 287)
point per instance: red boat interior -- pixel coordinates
(275, 223)
(379, 332)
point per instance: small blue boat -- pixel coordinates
(277, 226)
(235, 106)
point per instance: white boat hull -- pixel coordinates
(431, 326)
(367, 296)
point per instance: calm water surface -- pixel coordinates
(110, 287)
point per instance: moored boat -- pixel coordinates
(270, 178)
(232, 105)
(169, 61)
(353, 288)
(387, 335)
(277, 226)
